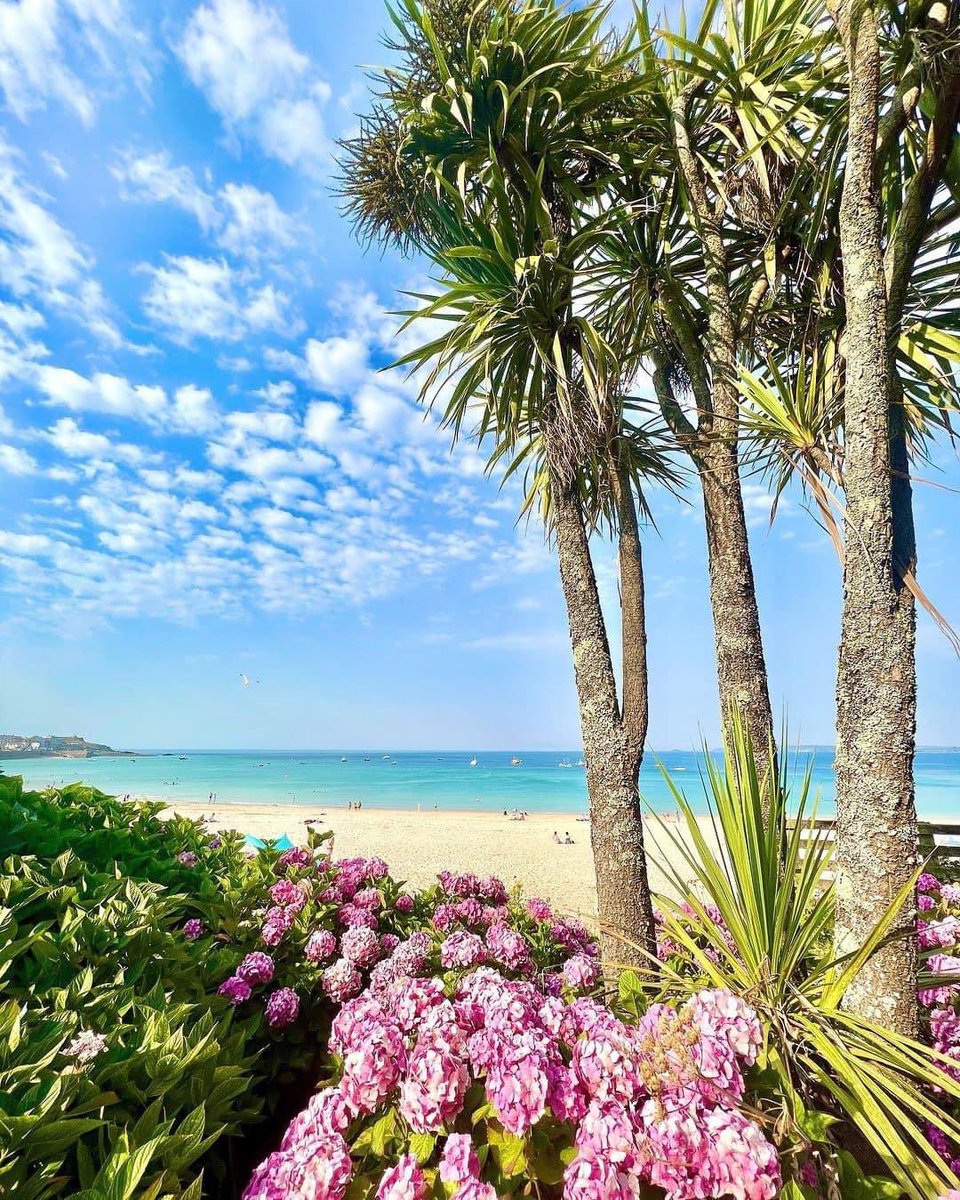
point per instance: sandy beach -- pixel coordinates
(418, 845)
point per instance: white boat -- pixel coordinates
(473, 761)
(565, 763)
(516, 762)
(386, 758)
(344, 759)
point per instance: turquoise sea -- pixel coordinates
(441, 779)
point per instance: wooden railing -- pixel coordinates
(939, 842)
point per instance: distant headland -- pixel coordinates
(15, 745)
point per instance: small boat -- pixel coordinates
(183, 758)
(516, 762)
(366, 759)
(473, 761)
(385, 758)
(344, 758)
(580, 763)
(565, 762)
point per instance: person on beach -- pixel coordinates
(556, 838)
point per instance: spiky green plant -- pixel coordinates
(766, 872)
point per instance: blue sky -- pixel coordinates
(203, 471)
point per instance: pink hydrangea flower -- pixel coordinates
(435, 1085)
(581, 972)
(445, 917)
(341, 980)
(235, 989)
(283, 1008)
(493, 890)
(288, 894)
(187, 858)
(327, 1112)
(928, 883)
(312, 1169)
(941, 964)
(369, 897)
(538, 909)
(297, 856)
(320, 945)
(353, 917)
(256, 968)
(275, 924)
(193, 929)
(372, 1065)
(405, 1181)
(723, 1015)
(361, 946)
(508, 947)
(459, 1161)
(403, 903)
(462, 949)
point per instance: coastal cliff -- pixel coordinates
(15, 745)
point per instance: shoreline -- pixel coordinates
(417, 846)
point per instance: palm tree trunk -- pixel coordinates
(633, 618)
(616, 825)
(876, 677)
(741, 665)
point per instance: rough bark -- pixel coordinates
(876, 678)
(633, 620)
(711, 364)
(616, 824)
(741, 667)
(741, 664)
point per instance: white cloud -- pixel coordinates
(20, 319)
(56, 166)
(335, 365)
(202, 297)
(194, 410)
(103, 393)
(240, 218)
(255, 223)
(191, 410)
(154, 177)
(50, 49)
(15, 461)
(239, 53)
(67, 436)
(40, 259)
(24, 543)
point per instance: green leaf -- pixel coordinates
(509, 1151)
(422, 1146)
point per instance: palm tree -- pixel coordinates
(848, 404)
(685, 277)
(485, 151)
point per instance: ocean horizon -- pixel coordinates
(543, 781)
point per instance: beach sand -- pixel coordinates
(419, 844)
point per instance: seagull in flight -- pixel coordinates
(244, 679)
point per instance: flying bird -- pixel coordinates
(244, 679)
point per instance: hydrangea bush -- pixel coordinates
(938, 937)
(475, 1061)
